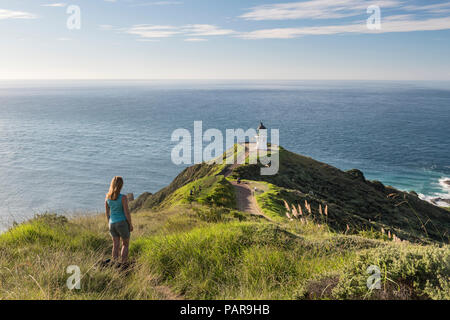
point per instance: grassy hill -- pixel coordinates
(351, 199)
(200, 246)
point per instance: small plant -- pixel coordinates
(300, 211)
(407, 272)
(294, 211)
(288, 210)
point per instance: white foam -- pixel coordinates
(444, 182)
(431, 200)
(442, 195)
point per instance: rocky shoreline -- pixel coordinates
(436, 201)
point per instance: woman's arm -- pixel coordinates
(107, 211)
(127, 211)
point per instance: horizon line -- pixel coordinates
(220, 79)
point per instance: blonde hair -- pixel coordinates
(114, 188)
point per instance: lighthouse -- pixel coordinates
(261, 137)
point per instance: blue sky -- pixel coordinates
(226, 39)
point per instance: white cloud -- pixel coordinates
(206, 30)
(9, 14)
(195, 39)
(157, 3)
(326, 9)
(431, 8)
(398, 23)
(150, 31)
(406, 21)
(54, 5)
(193, 31)
(314, 9)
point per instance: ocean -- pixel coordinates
(61, 142)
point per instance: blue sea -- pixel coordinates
(61, 142)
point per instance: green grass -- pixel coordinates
(251, 260)
(407, 271)
(201, 247)
(34, 257)
(236, 260)
(352, 200)
(52, 231)
(151, 201)
(229, 156)
(215, 191)
(204, 252)
(271, 201)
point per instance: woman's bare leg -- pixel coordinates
(115, 249)
(124, 253)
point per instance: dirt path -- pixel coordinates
(245, 199)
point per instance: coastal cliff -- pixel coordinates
(352, 200)
(223, 231)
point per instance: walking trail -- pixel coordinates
(245, 197)
(246, 202)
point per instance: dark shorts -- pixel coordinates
(120, 229)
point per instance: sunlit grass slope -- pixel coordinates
(199, 246)
(202, 252)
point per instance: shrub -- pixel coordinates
(407, 272)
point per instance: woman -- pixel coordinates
(118, 215)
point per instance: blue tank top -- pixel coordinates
(116, 210)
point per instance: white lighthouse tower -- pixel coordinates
(261, 137)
